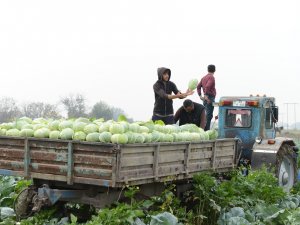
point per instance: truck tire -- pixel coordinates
(286, 167)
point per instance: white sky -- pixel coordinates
(110, 50)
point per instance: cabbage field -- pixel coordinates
(230, 199)
(98, 130)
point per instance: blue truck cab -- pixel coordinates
(253, 121)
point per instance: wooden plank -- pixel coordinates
(201, 145)
(70, 164)
(93, 160)
(48, 156)
(198, 167)
(224, 163)
(93, 173)
(81, 180)
(6, 153)
(138, 173)
(201, 155)
(11, 165)
(176, 156)
(228, 152)
(156, 161)
(187, 158)
(200, 160)
(26, 158)
(134, 150)
(136, 161)
(114, 171)
(213, 156)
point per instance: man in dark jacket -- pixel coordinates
(207, 83)
(163, 89)
(191, 112)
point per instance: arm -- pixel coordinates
(177, 115)
(199, 86)
(203, 119)
(161, 93)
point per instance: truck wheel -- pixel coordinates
(23, 203)
(286, 167)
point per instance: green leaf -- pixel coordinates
(122, 118)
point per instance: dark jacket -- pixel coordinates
(162, 105)
(194, 116)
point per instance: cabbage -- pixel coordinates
(134, 127)
(147, 137)
(155, 136)
(26, 119)
(168, 138)
(91, 128)
(54, 125)
(160, 128)
(105, 137)
(26, 133)
(66, 134)
(41, 133)
(104, 127)
(119, 139)
(195, 136)
(20, 124)
(175, 137)
(79, 136)
(65, 124)
(144, 129)
(131, 137)
(79, 126)
(3, 132)
(13, 132)
(193, 84)
(39, 126)
(189, 127)
(93, 137)
(28, 126)
(54, 134)
(98, 121)
(125, 125)
(7, 126)
(40, 121)
(139, 138)
(116, 128)
(169, 129)
(213, 134)
(82, 119)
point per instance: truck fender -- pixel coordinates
(265, 152)
(279, 153)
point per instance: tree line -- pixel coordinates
(74, 104)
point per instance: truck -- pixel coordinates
(97, 173)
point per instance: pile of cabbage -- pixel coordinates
(119, 132)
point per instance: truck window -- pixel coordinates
(238, 118)
(268, 119)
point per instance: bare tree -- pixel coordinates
(75, 105)
(40, 109)
(102, 110)
(8, 109)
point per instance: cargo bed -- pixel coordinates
(110, 165)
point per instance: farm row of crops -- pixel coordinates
(238, 199)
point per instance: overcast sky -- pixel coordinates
(110, 50)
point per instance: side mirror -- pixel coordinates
(274, 114)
